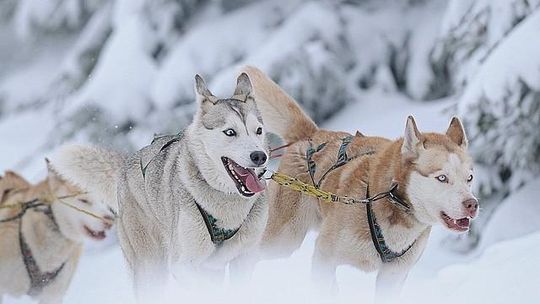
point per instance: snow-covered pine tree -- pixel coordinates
(489, 50)
(313, 66)
(316, 76)
(395, 56)
(486, 52)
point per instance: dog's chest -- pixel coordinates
(15, 267)
(13, 277)
(225, 214)
(198, 240)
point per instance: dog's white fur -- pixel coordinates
(98, 164)
(160, 228)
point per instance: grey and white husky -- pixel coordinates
(192, 201)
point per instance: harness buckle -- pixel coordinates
(344, 199)
(398, 201)
(266, 174)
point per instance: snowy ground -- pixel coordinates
(504, 272)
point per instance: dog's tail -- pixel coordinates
(280, 112)
(91, 168)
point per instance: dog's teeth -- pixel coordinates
(230, 165)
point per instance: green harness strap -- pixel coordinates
(168, 141)
(218, 235)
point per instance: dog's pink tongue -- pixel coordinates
(249, 178)
(253, 183)
(463, 223)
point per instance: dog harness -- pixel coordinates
(218, 235)
(314, 190)
(167, 140)
(38, 279)
(377, 237)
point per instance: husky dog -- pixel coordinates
(430, 175)
(40, 248)
(191, 201)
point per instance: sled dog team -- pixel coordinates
(195, 202)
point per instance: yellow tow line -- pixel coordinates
(311, 190)
(297, 185)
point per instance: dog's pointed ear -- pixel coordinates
(456, 133)
(53, 178)
(202, 91)
(411, 140)
(243, 86)
(50, 170)
(15, 179)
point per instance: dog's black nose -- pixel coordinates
(471, 206)
(258, 157)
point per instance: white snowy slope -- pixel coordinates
(517, 215)
(506, 273)
(379, 113)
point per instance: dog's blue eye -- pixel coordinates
(259, 131)
(442, 178)
(230, 132)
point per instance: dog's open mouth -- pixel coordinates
(96, 235)
(460, 225)
(246, 180)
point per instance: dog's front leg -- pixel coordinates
(390, 279)
(149, 279)
(210, 276)
(241, 268)
(247, 238)
(51, 299)
(392, 275)
(323, 272)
